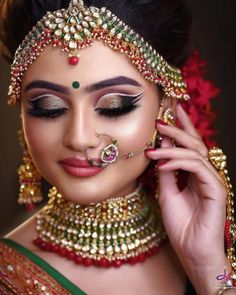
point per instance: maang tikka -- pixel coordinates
(77, 27)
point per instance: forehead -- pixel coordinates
(97, 62)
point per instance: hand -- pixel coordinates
(194, 218)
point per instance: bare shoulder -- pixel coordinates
(24, 233)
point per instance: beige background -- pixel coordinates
(214, 35)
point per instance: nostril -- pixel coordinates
(79, 139)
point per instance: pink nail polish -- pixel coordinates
(161, 122)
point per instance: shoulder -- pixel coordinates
(24, 234)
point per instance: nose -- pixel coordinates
(80, 133)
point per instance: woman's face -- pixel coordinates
(60, 121)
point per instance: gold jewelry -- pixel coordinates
(159, 138)
(165, 115)
(29, 179)
(169, 117)
(77, 27)
(109, 233)
(110, 153)
(218, 160)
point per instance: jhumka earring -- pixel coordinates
(29, 179)
(168, 117)
(165, 115)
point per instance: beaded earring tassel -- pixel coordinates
(29, 179)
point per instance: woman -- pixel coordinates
(98, 104)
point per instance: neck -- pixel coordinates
(117, 230)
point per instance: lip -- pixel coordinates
(79, 167)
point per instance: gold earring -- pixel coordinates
(159, 137)
(169, 117)
(29, 179)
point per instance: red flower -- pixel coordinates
(201, 92)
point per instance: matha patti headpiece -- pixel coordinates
(77, 27)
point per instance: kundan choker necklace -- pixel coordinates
(110, 233)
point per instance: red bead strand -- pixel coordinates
(103, 262)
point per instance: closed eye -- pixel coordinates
(118, 112)
(47, 106)
(117, 105)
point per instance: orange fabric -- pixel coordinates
(19, 275)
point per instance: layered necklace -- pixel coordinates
(113, 232)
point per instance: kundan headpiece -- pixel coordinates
(78, 26)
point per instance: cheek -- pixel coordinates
(41, 137)
(132, 135)
(134, 132)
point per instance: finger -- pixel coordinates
(183, 138)
(180, 153)
(167, 179)
(204, 176)
(186, 122)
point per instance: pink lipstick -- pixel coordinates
(79, 168)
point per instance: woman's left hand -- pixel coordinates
(194, 218)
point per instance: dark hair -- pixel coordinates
(164, 24)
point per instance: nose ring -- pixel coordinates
(109, 153)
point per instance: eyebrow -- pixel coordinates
(121, 80)
(47, 85)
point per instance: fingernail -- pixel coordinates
(182, 104)
(179, 105)
(161, 122)
(161, 163)
(150, 150)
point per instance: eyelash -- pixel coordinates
(49, 114)
(117, 112)
(56, 113)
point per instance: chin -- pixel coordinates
(84, 194)
(85, 190)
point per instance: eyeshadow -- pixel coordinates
(117, 100)
(47, 102)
